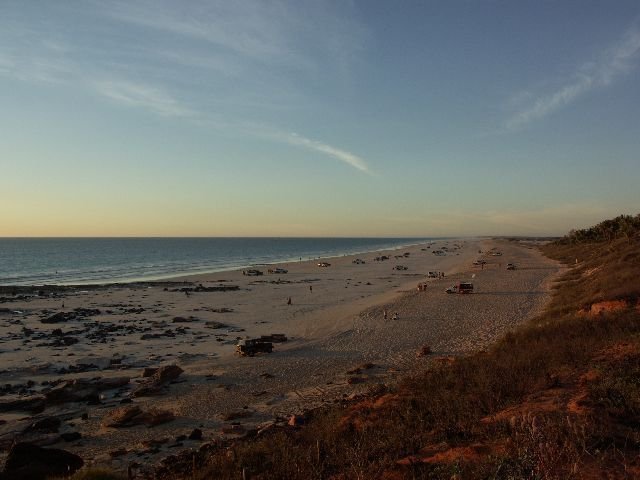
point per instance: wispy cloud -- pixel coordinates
(274, 34)
(297, 140)
(247, 28)
(616, 61)
(144, 96)
(216, 64)
(347, 157)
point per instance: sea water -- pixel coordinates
(38, 261)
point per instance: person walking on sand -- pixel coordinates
(289, 301)
(311, 288)
(384, 314)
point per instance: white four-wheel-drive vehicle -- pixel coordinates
(252, 272)
(278, 270)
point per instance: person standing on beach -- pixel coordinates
(384, 314)
(311, 288)
(289, 301)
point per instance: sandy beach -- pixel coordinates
(335, 325)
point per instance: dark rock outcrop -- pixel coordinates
(81, 390)
(71, 436)
(59, 317)
(68, 316)
(131, 415)
(46, 425)
(156, 382)
(27, 461)
(35, 404)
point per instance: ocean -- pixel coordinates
(65, 261)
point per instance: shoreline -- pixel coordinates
(229, 268)
(333, 327)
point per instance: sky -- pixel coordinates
(317, 118)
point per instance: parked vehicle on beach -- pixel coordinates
(277, 270)
(511, 266)
(358, 261)
(252, 272)
(462, 287)
(250, 347)
(324, 264)
(400, 267)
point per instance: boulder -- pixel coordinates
(27, 461)
(155, 383)
(78, 390)
(35, 404)
(149, 371)
(184, 320)
(156, 416)
(122, 416)
(131, 415)
(46, 425)
(424, 351)
(71, 436)
(83, 390)
(59, 317)
(111, 383)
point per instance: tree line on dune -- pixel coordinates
(623, 226)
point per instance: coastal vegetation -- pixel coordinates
(623, 226)
(556, 398)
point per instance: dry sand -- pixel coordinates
(332, 328)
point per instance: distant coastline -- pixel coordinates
(89, 261)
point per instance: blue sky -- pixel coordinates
(317, 118)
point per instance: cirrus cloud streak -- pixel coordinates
(617, 61)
